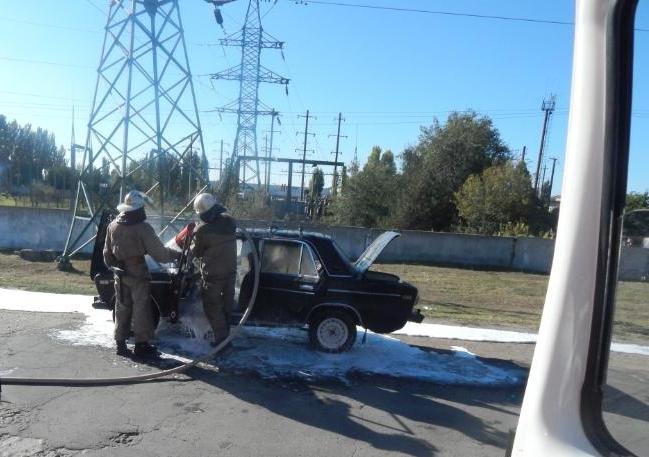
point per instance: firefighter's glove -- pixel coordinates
(186, 233)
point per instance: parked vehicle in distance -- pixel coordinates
(304, 280)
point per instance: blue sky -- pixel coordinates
(387, 72)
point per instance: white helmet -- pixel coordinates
(133, 200)
(204, 202)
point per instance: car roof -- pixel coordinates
(333, 259)
(287, 234)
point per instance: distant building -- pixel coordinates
(278, 192)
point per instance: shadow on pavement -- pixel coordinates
(377, 410)
(623, 404)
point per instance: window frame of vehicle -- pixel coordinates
(617, 138)
(285, 297)
(304, 247)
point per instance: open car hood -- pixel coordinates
(372, 252)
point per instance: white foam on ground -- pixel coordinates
(630, 348)
(22, 300)
(275, 352)
(282, 352)
(454, 332)
(16, 446)
(97, 330)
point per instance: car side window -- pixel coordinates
(307, 264)
(281, 257)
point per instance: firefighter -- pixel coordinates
(215, 248)
(128, 239)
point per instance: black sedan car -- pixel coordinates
(304, 280)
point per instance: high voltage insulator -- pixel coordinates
(217, 10)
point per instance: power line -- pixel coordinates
(440, 12)
(44, 62)
(30, 94)
(50, 26)
(94, 5)
(446, 13)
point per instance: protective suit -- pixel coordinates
(215, 247)
(128, 239)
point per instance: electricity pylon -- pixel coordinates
(250, 73)
(144, 117)
(547, 107)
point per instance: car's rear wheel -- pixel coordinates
(332, 330)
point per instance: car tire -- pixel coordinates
(332, 331)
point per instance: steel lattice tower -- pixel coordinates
(250, 73)
(143, 112)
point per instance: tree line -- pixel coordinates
(33, 167)
(459, 176)
(29, 155)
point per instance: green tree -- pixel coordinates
(317, 183)
(437, 166)
(367, 196)
(344, 178)
(637, 200)
(499, 196)
(636, 221)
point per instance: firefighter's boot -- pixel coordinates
(122, 349)
(146, 350)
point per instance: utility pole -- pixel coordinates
(334, 186)
(73, 151)
(554, 163)
(189, 173)
(306, 140)
(523, 155)
(274, 114)
(221, 165)
(267, 151)
(547, 107)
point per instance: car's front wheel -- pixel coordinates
(332, 331)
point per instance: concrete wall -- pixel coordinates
(48, 229)
(33, 228)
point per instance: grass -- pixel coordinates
(448, 295)
(509, 299)
(24, 202)
(16, 273)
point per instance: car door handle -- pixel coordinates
(306, 287)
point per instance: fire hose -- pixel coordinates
(72, 382)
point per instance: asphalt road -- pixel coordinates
(208, 413)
